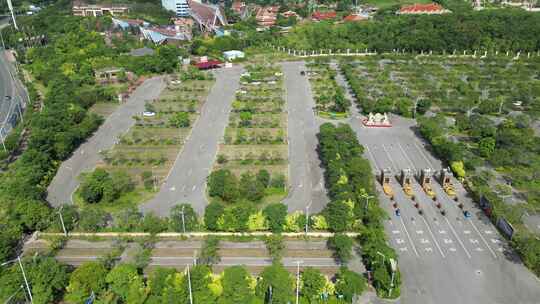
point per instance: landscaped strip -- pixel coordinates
(329, 96)
(349, 180)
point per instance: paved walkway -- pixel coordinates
(305, 175)
(86, 157)
(186, 181)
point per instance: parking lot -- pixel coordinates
(443, 258)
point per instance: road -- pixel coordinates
(306, 175)
(186, 181)
(443, 259)
(87, 156)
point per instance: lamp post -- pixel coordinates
(298, 280)
(189, 286)
(183, 220)
(393, 266)
(62, 220)
(367, 197)
(18, 260)
(307, 218)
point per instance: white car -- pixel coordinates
(149, 114)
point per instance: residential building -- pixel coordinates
(320, 16)
(239, 7)
(82, 9)
(164, 35)
(289, 14)
(418, 9)
(267, 16)
(209, 17)
(179, 7)
(232, 55)
(111, 74)
(356, 17)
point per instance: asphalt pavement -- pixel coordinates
(306, 181)
(87, 156)
(186, 181)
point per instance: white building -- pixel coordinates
(180, 7)
(231, 55)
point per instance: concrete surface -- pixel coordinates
(86, 157)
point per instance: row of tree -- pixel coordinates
(508, 29)
(105, 282)
(350, 182)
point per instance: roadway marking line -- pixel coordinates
(433, 237)
(457, 237)
(483, 239)
(406, 156)
(390, 158)
(409, 237)
(373, 158)
(423, 155)
(193, 189)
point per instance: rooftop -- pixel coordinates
(419, 8)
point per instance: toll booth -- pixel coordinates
(425, 181)
(446, 182)
(406, 181)
(386, 175)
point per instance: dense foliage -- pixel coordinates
(503, 30)
(348, 178)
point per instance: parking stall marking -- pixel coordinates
(433, 237)
(423, 155)
(483, 239)
(373, 158)
(409, 237)
(389, 157)
(457, 237)
(406, 156)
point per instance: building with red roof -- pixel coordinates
(210, 64)
(355, 18)
(417, 9)
(267, 16)
(320, 16)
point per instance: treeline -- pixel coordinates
(349, 181)
(105, 282)
(60, 122)
(508, 29)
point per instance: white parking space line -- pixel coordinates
(457, 237)
(406, 156)
(373, 158)
(433, 237)
(389, 157)
(409, 237)
(423, 155)
(483, 239)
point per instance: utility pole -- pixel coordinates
(393, 265)
(298, 280)
(62, 220)
(307, 217)
(183, 220)
(189, 286)
(367, 197)
(25, 280)
(10, 5)
(2, 39)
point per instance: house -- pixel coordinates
(239, 7)
(83, 10)
(111, 74)
(418, 9)
(289, 14)
(164, 35)
(126, 24)
(209, 64)
(209, 17)
(232, 55)
(267, 16)
(355, 18)
(320, 16)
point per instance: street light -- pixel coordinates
(62, 220)
(393, 266)
(18, 259)
(189, 286)
(298, 279)
(367, 197)
(307, 217)
(183, 219)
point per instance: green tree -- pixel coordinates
(209, 254)
(213, 212)
(125, 283)
(263, 177)
(342, 246)
(87, 278)
(180, 120)
(276, 285)
(486, 146)
(236, 286)
(153, 223)
(222, 183)
(349, 283)
(92, 219)
(275, 216)
(275, 246)
(313, 282)
(189, 218)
